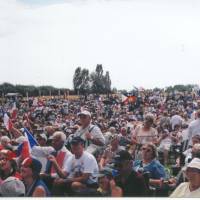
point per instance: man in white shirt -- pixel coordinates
(90, 133)
(79, 172)
(61, 155)
(176, 120)
(194, 127)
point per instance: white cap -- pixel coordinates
(12, 187)
(195, 163)
(21, 139)
(85, 112)
(43, 136)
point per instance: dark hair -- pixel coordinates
(154, 149)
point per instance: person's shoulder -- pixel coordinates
(88, 155)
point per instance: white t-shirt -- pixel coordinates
(95, 132)
(85, 164)
(183, 190)
(176, 120)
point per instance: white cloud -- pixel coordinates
(143, 43)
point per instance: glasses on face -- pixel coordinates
(146, 149)
(194, 170)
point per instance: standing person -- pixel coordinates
(89, 132)
(176, 119)
(194, 127)
(30, 172)
(144, 133)
(131, 182)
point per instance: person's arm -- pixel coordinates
(116, 191)
(15, 132)
(60, 172)
(96, 137)
(39, 192)
(82, 178)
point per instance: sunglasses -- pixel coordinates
(194, 170)
(145, 149)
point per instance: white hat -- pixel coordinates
(21, 139)
(195, 163)
(85, 112)
(43, 136)
(12, 187)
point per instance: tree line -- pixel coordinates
(84, 82)
(32, 90)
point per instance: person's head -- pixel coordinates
(195, 139)
(114, 140)
(123, 162)
(85, 118)
(112, 130)
(123, 131)
(193, 173)
(8, 165)
(149, 151)
(30, 168)
(77, 146)
(5, 140)
(42, 139)
(12, 187)
(148, 120)
(196, 150)
(197, 114)
(58, 140)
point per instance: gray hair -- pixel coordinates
(59, 134)
(5, 139)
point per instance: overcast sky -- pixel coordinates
(144, 43)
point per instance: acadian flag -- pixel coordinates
(14, 111)
(7, 121)
(24, 149)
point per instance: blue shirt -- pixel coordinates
(155, 168)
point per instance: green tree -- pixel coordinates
(97, 79)
(77, 80)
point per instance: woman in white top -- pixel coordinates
(191, 188)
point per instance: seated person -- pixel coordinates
(150, 164)
(79, 172)
(131, 182)
(192, 187)
(110, 152)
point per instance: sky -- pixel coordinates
(142, 43)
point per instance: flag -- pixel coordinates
(24, 149)
(124, 99)
(7, 121)
(14, 111)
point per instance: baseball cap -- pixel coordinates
(85, 112)
(195, 163)
(122, 156)
(32, 163)
(43, 136)
(12, 187)
(77, 140)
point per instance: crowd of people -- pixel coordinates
(101, 146)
